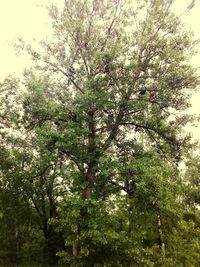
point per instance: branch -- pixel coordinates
(114, 130)
(42, 172)
(148, 127)
(74, 159)
(110, 28)
(65, 74)
(118, 185)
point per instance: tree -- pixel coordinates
(40, 185)
(16, 212)
(191, 190)
(29, 194)
(113, 83)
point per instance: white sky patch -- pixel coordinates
(21, 18)
(29, 19)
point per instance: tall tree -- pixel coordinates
(116, 78)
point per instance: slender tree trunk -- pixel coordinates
(160, 232)
(75, 248)
(130, 214)
(17, 240)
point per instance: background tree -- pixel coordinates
(29, 185)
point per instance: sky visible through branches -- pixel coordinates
(29, 19)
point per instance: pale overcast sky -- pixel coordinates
(27, 18)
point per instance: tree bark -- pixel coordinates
(160, 232)
(75, 248)
(54, 243)
(85, 194)
(89, 177)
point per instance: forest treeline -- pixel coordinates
(92, 138)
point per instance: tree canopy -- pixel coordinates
(102, 113)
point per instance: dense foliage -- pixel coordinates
(92, 137)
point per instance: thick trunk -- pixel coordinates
(89, 178)
(87, 190)
(54, 243)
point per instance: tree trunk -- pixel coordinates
(160, 232)
(54, 243)
(86, 193)
(75, 248)
(130, 214)
(89, 177)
